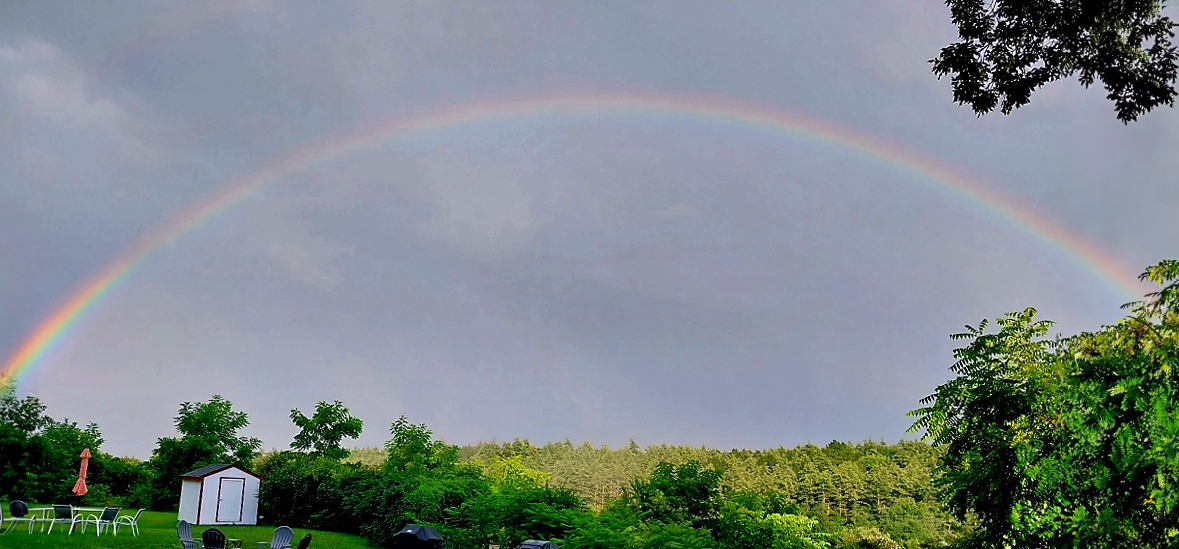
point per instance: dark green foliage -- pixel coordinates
(41, 457)
(20, 424)
(25, 414)
(688, 493)
(123, 479)
(215, 424)
(1001, 377)
(888, 487)
(302, 489)
(1073, 443)
(505, 515)
(1009, 48)
(684, 505)
(412, 449)
(323, 431)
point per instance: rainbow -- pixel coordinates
(713, 110)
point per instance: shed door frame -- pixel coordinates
(241, 499)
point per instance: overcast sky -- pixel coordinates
(626, 275)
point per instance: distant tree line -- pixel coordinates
(869, 495)
(840, 495)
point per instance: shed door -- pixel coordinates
(229, 499)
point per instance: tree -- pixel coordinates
(412, 448)
(21, 422)
(975, 417)
(216, 424)
(1066, 443)
(208, 435)
(1115, 474)
(688, 493)
(323, 431)
(24, 414)
(1009, 48)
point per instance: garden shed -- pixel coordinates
(219, 494)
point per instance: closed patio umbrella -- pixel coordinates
(80, 486)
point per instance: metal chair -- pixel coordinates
(213, 539)
(125, 520)
(64, 514)
(107, 518)
(19, 513)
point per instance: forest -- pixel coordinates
(870, 494)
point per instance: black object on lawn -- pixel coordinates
(213, 539)
(413, 536)
(538, 544)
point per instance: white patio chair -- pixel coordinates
(126, 520)
(107, 518)
(64, 514)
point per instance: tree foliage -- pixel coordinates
(1009, 48)
(215, 424)
(413, 448)
(41, 457)
(1072, 442)
(323, 432)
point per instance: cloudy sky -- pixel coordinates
(587, 274)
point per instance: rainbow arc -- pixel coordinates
(712, 110)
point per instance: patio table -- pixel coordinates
(47, 513)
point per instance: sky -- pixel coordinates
(541, 220)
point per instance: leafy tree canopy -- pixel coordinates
(1072, 442)
(216, 424)
(686, 493)
(1009, 48)
(413, 448)
(24, 414)
(323, 431)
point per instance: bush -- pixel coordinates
(303, 490)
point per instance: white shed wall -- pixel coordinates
(250, 510)
(190, 493)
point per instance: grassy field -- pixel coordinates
(157, 531)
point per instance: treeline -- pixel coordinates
(39, 456)
(867, 487)
(841, 495)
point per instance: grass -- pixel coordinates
(158, 531)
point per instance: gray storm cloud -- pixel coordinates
(602, 279)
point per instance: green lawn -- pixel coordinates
(158, 531)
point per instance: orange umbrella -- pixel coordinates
(80, 487)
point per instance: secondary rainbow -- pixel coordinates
(713, 110)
